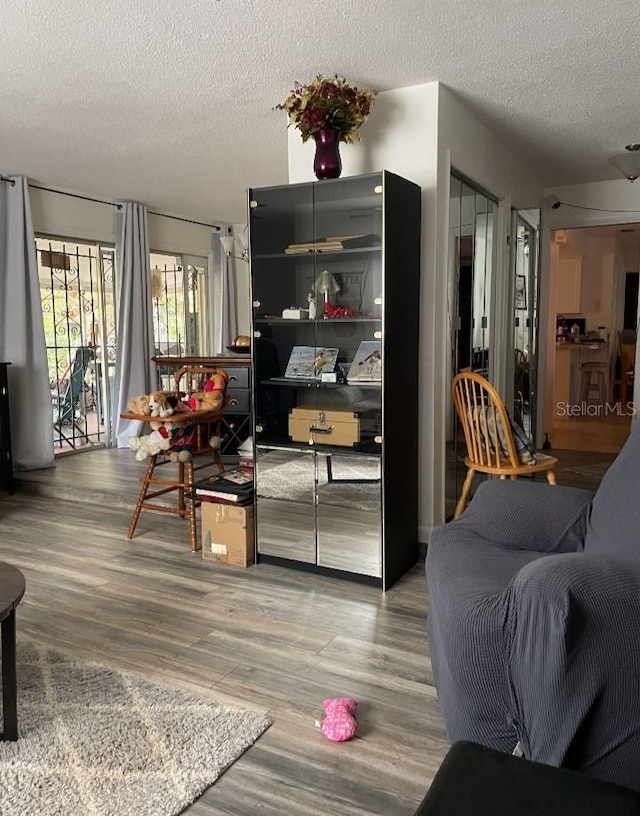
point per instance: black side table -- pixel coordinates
(12, 587)
(6, 461)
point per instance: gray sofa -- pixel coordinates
(534, 621)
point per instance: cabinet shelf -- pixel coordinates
(317, 253)
(271, 321)
(292, 383)
(369, 449)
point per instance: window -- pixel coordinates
(78, 310)
(179, 315)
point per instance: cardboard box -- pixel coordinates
(228, 534)
(332, 426)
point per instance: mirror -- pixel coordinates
(471, 259)
(525, 265)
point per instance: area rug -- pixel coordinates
(293, 481)
(95, 741)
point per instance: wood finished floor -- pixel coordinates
(274, 639)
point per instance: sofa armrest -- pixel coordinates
(572, 644)
(525, 515)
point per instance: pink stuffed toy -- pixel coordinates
(340, 723)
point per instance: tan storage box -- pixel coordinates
(227, 534)
(331, 426)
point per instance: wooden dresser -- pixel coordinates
(237, 415)
(6, 461)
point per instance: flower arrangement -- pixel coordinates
(328, 103)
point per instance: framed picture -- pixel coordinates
(309, 362)
(367, 364)
(521, 292)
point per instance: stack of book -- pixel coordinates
(231, 487)
(334, 244)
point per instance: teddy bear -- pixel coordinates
(212, 397)
(340, 723)
(157, 441)
(139, 405)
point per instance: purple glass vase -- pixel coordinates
(327, 163)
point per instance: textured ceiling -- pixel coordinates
(170, 102)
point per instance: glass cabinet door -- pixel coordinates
(316, 267)
(318, 304)
(349, 512)
(285, 502)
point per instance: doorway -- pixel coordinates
(591, 337)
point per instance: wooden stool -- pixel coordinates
(599, 371)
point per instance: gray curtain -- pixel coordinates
(22, 332)
(223, 275)
(135, 370)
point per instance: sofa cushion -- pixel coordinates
(613, 527)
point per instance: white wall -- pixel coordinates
(466, 145)
(243, 285)
(609, 202)
(61, 216)
(420, 133)
(67, 217)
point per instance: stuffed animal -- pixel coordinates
(184, 441)
(212, 397)
(139, 405)
(159, 404)
(340, 723)
(157, 441)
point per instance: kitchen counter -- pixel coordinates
(582, 344)
(566, 383)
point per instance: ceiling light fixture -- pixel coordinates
(628, 163)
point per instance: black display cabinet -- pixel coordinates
(6, 461)
(336, 391)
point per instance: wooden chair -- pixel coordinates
(491, 447)
(207, 424)
(627, 358)
(65, 398)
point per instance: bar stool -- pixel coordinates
(594, 376)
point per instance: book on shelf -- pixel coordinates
(365, 239)
(225, 498)
(319, 246)
(334, 243)
(233, 486)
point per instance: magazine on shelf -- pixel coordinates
(367, 364)
(309, 362)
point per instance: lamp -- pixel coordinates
(327, 284)
(229, 242)
(628, 163)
